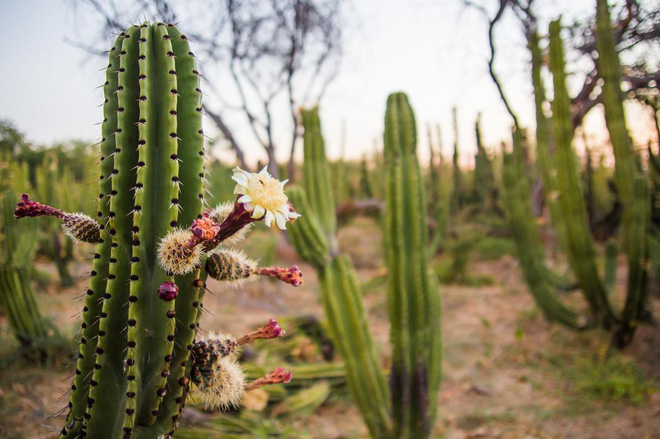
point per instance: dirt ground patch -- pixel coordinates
(507, 373)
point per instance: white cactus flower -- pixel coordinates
(263, 196)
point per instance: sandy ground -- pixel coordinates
(506, 371)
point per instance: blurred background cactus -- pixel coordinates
(408, 408)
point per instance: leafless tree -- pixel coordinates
(272, 51)
(637, 32)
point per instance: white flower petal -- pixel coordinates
(268, 219)
(281, 220)
(258, 212)
(245, 199)
(240, 190)
(283, 182)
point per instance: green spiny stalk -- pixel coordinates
(630, 182)
(485, 188)
(580, 249)
(544, 140)
(413, 297)
(531, 255)
(137, 355)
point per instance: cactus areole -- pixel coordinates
(143, 302)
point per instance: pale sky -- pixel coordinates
(435, 51)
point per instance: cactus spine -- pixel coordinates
(413, 297)
(315, 240)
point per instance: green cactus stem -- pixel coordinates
(580, 249)
(142, 311)
(413, 297)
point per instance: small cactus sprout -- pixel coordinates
(168, 291)
(176, 255)
(263, 196)
(278, 376)
(77, 226)
(233, 266)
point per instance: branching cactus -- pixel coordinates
(413, 296)
(314, 237)
(408, 408)
(137, 355)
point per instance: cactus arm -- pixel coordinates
(546, 162)
(345, 313)
(637, 256)
(615, 118)
(97, 285)
(307, 234)
(580, 247)
(316, 174)
(531, 254)
(630, 182)
(108, 384)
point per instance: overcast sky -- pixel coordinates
(433, 50)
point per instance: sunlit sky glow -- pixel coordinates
(433, 50)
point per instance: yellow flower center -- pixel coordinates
(266, 192)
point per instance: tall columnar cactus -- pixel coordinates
(457, 190)
(314, 236)
(413, 297)
(138, 357)
(485, 188)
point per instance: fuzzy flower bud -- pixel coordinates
(234, 266)
(203, 229)
(175, 255)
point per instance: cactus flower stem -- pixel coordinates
(292, 276)
(78, 226)
(277, 376)
(29, 208)
(270, 330)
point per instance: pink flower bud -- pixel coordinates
(168, 291)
